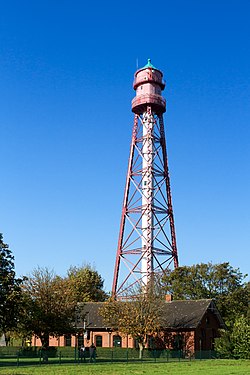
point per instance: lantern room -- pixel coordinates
(148, 84)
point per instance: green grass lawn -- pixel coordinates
(206, 367)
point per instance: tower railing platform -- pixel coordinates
(145, 99)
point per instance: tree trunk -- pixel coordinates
(141, 348)
(7, 339)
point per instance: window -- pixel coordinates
(117, 341)
(80, 341)
(203, 333)
(87, 334)
(178, 342)
(67, 340)
(151, 342)
(98, 341)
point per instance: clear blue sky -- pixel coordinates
(66, 73)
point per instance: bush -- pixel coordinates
(235, 344)
(9, 351)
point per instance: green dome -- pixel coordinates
(149, 65)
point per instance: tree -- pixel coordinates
(10, 291)
(85, 284)
(50, 309)
(221, 282)
(241, 338)
(235, 344)
(50, 301)
(140, 316)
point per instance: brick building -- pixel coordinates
(190, 326)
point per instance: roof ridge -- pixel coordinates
(192, 300)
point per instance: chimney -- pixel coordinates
(168, 297)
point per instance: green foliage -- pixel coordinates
(10, 291)
(235, 344)
(49, 306)
(50, 302)
(220, 282)
(85, 284)
(223, 344)
(241, 338)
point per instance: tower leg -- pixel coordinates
(124, 207)
(168, 189)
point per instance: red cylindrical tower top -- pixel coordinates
(148, 84)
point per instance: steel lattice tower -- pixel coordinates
(147, 241)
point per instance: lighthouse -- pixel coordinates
(147, 240)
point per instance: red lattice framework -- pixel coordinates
(147, 241)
